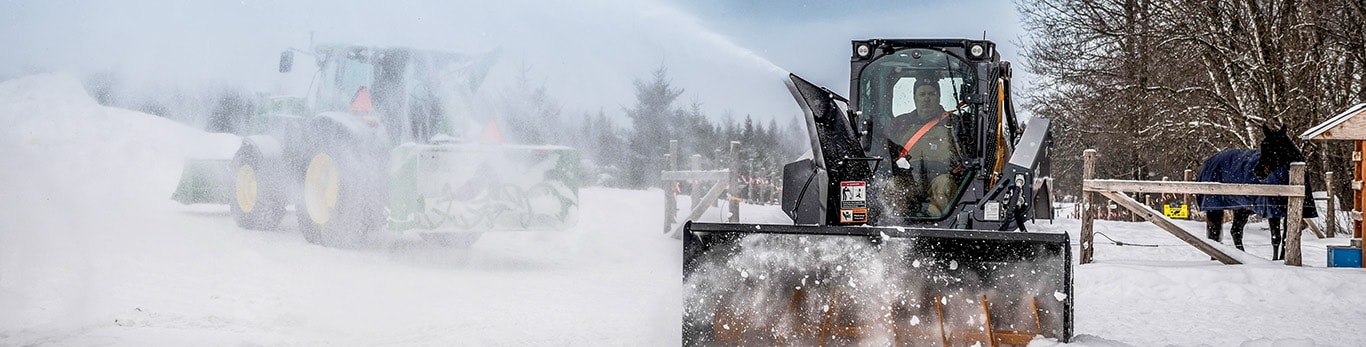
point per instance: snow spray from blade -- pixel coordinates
(817, 289)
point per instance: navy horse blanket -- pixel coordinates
(1239, 166)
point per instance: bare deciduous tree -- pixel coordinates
(1157, 86)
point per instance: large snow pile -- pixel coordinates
(93, 252)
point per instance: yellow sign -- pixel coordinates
(1176, 211)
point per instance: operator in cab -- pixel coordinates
(924, 152)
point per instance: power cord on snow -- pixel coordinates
(1120, 243)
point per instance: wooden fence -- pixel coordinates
(1115, 189)
(720, 181)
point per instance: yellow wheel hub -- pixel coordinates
(246, 188)
(320, 188)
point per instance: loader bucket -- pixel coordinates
(204, 181)
(809, 285)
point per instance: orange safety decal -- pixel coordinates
(853, 215)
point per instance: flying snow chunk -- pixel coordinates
(953, 265)
(902, 163)
(1060, 296)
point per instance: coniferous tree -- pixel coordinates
(652, 119)
(531, 113)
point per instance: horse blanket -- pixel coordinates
(1239, 166)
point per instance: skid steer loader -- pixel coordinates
(376, 146)
(898, 238)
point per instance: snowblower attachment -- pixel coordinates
(812, 285)
(908, 218)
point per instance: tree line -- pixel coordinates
(613, 153)
(632, 155)
(1158, 86)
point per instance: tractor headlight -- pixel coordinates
(863, 51)
(977, 50)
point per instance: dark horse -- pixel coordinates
(1268, 165)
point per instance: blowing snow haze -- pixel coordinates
(585, 53)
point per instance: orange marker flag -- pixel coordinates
(491, 135)
(361, 103)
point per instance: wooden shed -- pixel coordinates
(1350, 125)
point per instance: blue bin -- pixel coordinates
(1344, 256)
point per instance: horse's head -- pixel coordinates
(1277, 151)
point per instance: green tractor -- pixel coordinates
(377, 145)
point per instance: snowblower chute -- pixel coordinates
(908, 218)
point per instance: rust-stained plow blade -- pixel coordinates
(831, 286)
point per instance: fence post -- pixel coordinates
(695, 164)
(1088, 216)
(670, 195)
(1331, 218)
(1133, 217)
(1164, 198)
(731, 182)
(1295, 209)
(1188, 176)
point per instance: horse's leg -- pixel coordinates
(1239, 221)
(1277, 238)
(1214, 224)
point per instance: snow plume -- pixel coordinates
(586, 52)
(788, 289)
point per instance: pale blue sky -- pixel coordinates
(728, 55)
(811, 38)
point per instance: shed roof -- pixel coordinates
(1344, 126)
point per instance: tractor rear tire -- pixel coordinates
(257, 200)
(340, 198)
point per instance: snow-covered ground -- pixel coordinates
(93, 252)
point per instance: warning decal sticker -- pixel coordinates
(853, 215)
(853, 194)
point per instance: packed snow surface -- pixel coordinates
(93, 252)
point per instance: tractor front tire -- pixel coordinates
(257, 200)
(339, 200)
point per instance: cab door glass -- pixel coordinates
(914, 100)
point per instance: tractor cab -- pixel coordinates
(936, 115)
(920, 126)
(416, 94)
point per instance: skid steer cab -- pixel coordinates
(380, 144)
(909, 218)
